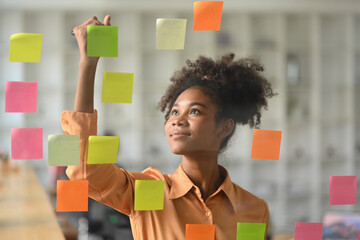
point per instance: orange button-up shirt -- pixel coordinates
(183, 204)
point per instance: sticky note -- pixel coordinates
(306, 231)
(117, 87)
(207, 15)
(64, 150)
(102, 41)
(253, 231)
(26, 143)
(72, 196)
(358, 238)
(103, 149)
(149, 195)
(342, 190)
(20, 96)
(200, 232)
(266, 144)
(170, 33)
(25, 47)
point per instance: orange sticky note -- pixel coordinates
(200, 232)
(207, 15)
(266, 144)
(72, 196)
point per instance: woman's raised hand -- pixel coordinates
(84, 99)
(81, 33)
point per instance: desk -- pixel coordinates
(283, 237)
(25, 209)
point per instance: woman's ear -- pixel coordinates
(227, 127)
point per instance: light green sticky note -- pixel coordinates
(253, 231)
(64, 150)
(117, 87)
(170, 33)
(103, 149)
(102, 41)
(25, 47)
(149, 195)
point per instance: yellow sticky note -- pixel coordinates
(103, 149)
(25, 47)
(149, 195)
(253, 231)
(64, 150)
(170, 33)
(102, 41)
(117, 87)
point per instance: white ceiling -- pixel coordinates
(345, 6)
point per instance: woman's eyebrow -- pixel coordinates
(192, 104)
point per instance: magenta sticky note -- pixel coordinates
(26, 143)
(342, 190)
(20, 96)
(358, 238)
(308, 231)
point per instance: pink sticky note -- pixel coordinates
(342, 190)
(308, 231)
(358, 238)
(20, 96)
(26, 143)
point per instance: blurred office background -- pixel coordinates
(311, 54)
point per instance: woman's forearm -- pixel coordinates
(84, 100)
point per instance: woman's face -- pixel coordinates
(191, 126)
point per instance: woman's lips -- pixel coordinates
(178, 135)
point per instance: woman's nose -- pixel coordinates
(179, 121)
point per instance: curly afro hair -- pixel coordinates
(236, 86)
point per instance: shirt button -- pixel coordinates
(208, 214)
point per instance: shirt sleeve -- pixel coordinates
(266, 218)
(108, 183)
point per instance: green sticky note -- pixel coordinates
(117, 87)
(149, 195)
(25, 47)
(102, 41)
(103, 149)
(64, 150)
(253, 231)
(170, 33)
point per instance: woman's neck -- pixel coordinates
(203, 170)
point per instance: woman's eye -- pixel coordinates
(174, 112)
(194, 111)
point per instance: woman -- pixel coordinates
(203, 105)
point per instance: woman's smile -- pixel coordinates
(179, 134)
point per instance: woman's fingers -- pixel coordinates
(93, 21)
(81, 29)
(107, 20)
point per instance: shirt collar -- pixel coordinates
(228, 187)
(181, 185)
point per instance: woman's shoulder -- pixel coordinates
(248, 198)
(152, 173)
